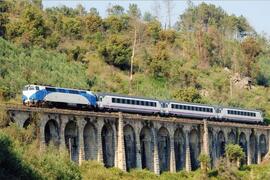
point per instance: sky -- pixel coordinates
(257, 12)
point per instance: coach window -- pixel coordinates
(128, 101)
(37, 88)
(137, 102)
(147, 103)
(113, 100)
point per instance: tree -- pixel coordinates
(234, 153)
(152, 29)
(72, 27)
(116, 23)
(204, 160)
(116, 10)
(30, 29)
(169, 8)
(3, 17)
(93, 22)
(167, 35)
(94, 11)
(134, 11)
(81, 10)
(147, 16)
(251, 49)
(116, 51)
(158, 64)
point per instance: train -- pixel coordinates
(49, 96)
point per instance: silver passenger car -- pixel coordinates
(241, 115)
(114, 102)
(191, 110)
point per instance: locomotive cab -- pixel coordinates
(29, 92)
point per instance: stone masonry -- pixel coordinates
(131, 141)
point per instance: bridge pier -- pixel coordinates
(172, 154)
(121, 148)
(188, 161)
(100, 122)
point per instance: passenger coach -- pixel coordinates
(114, 102)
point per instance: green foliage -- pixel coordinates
(187, 95)
(251, 49)
(134, 11)
(93, 23)
(116, 51)
(152, 29)
(159, 63)
(147, 16)
(116, 24)
(234, 152)
(116, 10)
(11, 162)
(20, 67)
(168, 35)
(263, 77)
(72, 27)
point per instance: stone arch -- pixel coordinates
(220, 144)
(147, 148)
(194, 144)
(253, 148)
(211, 146)
(90, 141)
(130, 147)
(51, 132)
(263, 145)
(163, 140)
(179, 149)
(72, 139)
(26, 123)
(243, 145)
(107, 135)
(232, 137)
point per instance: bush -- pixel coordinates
(187, 95)
(12, 165)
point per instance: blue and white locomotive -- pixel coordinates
(36, 95)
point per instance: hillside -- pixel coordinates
(209, 57)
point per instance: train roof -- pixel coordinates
(190, 103)
(126, 96)
(49, 86)
(241, 109)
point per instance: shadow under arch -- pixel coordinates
(163, 141)
(147, 148)
(130, 147)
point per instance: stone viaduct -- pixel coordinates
(131, 141)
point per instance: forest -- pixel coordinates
(208, 56)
